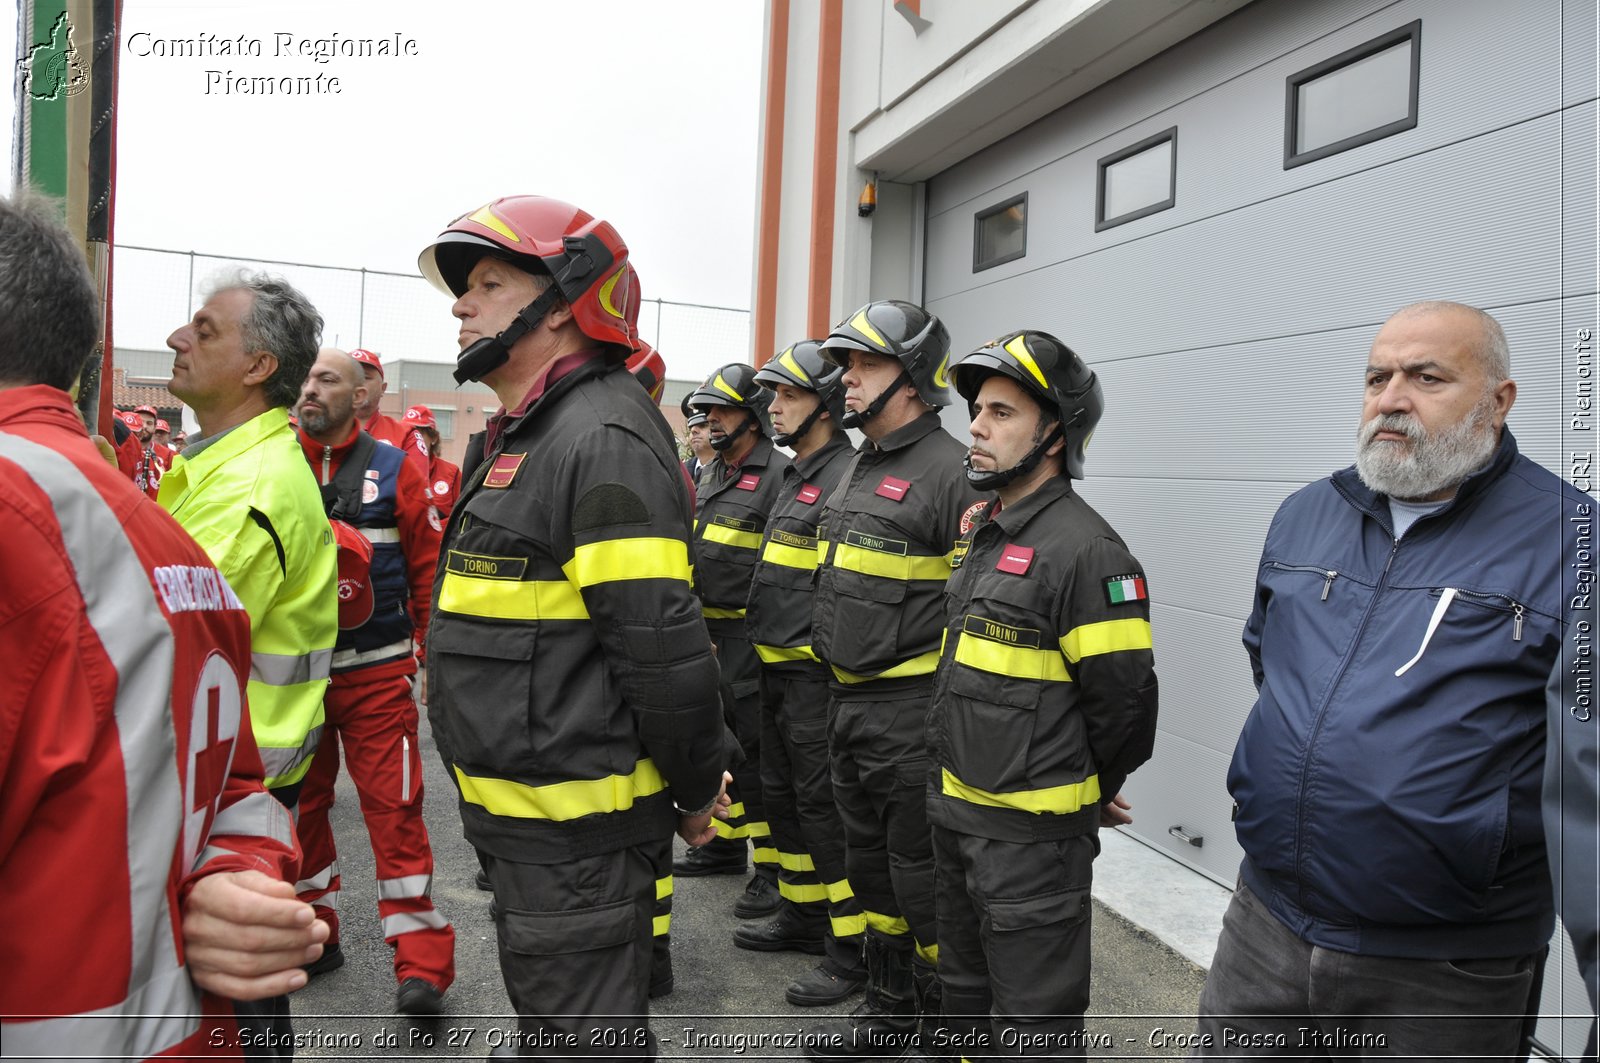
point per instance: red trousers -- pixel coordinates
(377, 720)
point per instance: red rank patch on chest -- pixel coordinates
(808, 493)
(893, 489)
(1015, 560)
(504, 470)
(748, 482)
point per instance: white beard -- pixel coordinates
(1426, 465)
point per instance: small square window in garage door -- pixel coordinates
(1354, 98)
(1000, 233)
(1137, 181)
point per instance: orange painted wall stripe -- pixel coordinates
(766, 310)
(824, 164)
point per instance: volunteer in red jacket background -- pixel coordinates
(369, 701)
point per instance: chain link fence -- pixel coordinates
(399, 315)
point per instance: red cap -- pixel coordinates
(355, 576)
(366, 357)
(162, 426)
(422, 417)
(131, 420)
(151, 410)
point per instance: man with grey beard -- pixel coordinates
(1395, 897)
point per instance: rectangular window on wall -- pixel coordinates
(1137, 181)
(1000, 233)
(446, 418)
(1354, 98)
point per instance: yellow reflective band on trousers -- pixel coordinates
(847, 926)
(803, 893)
(721, 614)
(661, 925)
(744, 540)
(501, 599)
(887, 924)
(796, 862)
(923, 664)
(840, 891)
(777, 553)
(780, 654)
(561, 801)
(929, 953)
(1000, 658)
(1054, 800)
(1108, 636)
(905, 568)
(663, 888)
(626, 559)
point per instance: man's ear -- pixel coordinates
(263, 364)
(358, 397)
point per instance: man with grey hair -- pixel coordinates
(1394, 897)
(245, 493)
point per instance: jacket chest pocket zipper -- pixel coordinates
(1499, 603)
(1328, 575)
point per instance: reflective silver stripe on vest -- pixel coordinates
(351, 659)
(287, 669)
(393, 889)
(410, 922)
(161, 1005)
(381, 535)
(279, 762)
(258, 815)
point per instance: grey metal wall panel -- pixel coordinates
(1230, 332)
(1171, 798)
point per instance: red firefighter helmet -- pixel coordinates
(585, 255)
(650, 369)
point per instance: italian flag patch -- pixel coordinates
(1130, 588)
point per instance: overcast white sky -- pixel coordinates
(644, 112)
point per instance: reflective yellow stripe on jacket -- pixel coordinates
(904, 567)
(923, 664)
(498, 598)
(1057, 800)
(562, 801)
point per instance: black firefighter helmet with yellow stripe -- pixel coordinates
(1047, 369)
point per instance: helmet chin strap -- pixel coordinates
(490, 353)
(854, 418)
(993, 481)
(732, 437)
(805, 426)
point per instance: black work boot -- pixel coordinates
(760, 899)
(717, 857)
(884, 1024)
(934, 1045)
(788, 931)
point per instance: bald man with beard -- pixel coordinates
(371, 708)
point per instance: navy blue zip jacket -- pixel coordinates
(1387, 781)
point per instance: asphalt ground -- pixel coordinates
(725, 1002)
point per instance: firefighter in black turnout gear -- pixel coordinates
(819, 912)
(888, 532)
(736, 493)
(1045, 700)
(574, 691)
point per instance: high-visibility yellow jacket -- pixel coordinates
(249, 498)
